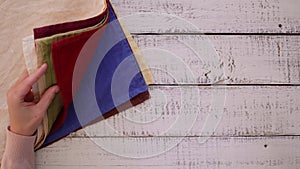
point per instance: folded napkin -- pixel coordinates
(43, 48)
(91, 59)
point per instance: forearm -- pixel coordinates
(19, 152)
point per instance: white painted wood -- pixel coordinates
(223, 59)
(210, 16)
(216, 153)
(163, 122)
(228, 111)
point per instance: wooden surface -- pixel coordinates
(212, 16)
(226, 94)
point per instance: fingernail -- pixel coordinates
(56, 89)
(43, 65)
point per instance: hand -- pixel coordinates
(25, 115)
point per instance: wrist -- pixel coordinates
(20, 131)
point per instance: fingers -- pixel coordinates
(25, 85)
(34, 77)
(46, 99)
(22, 77)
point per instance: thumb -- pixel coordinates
(47, 98)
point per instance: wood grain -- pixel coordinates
(210, 16)
(200, 59)
(215, 153)
(206, 111)
(253, 46)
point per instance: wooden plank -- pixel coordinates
(215, 153)
(11, 50)
(210, 16)
(195, 59)
(207, 111)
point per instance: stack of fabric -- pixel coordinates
(96, 64)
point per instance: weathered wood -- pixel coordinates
(11, 48)
(222, 59)
(206, 111)
(173, 119)
(210, 16)
(215, 153)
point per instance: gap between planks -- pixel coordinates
(213, 16)
(190, 111)
(223, 85)
(245, 60)
(213, 136)
(220, 34)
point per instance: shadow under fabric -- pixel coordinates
(101, 75)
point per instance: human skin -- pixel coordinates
(26, 115)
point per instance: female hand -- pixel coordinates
(26, 115)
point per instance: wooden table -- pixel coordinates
(227, 91)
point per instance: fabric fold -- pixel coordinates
(98, 67)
